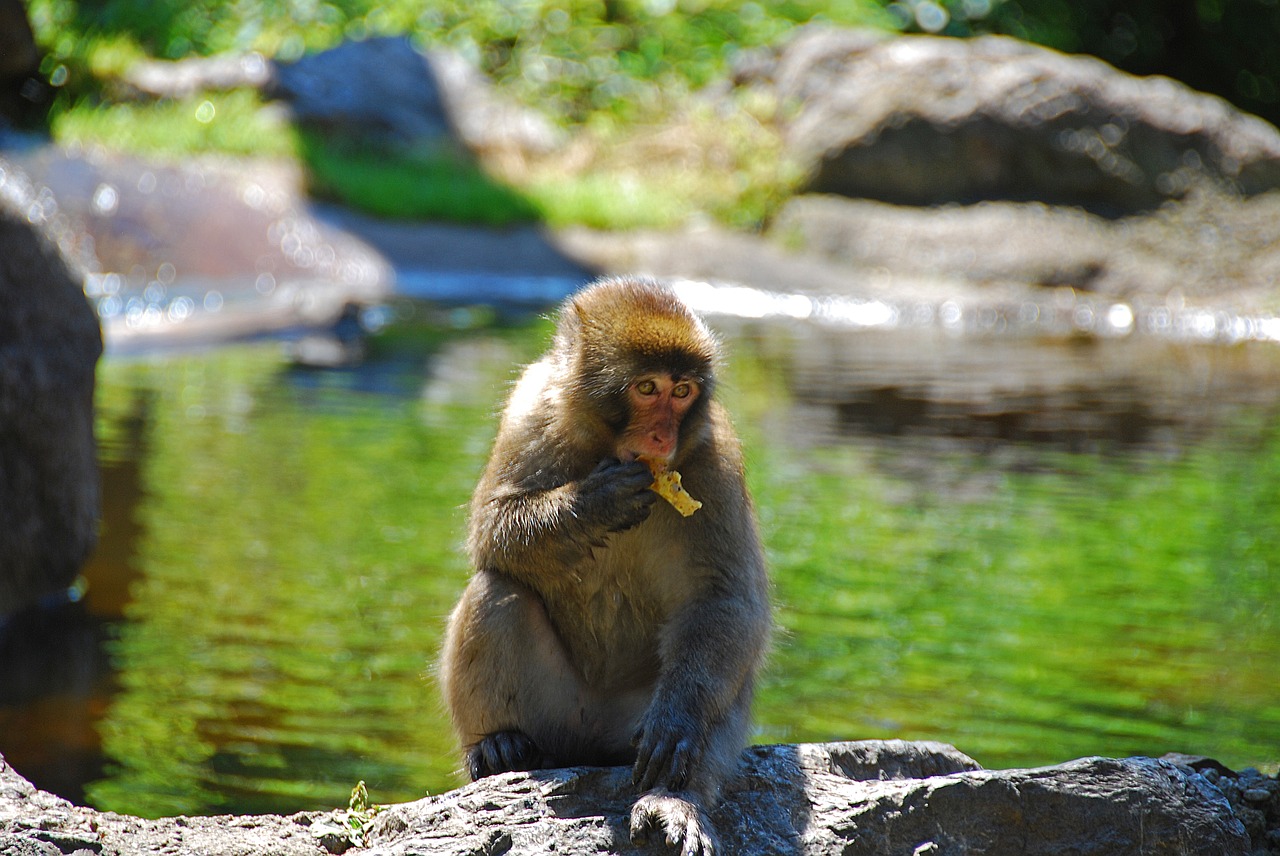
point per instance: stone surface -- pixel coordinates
(184, 78)
(924, 120)
(868, 797)
(384, 89)
(1209, 248)
(205, 250)
(377, 87)
(378, 90)
(49, 346)
(22, 92)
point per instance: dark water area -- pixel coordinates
(1033, 547)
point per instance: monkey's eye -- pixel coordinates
(646, 387)
(681, 390)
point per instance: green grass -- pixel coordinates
(437, 185)
(608, 201)
(227, 122)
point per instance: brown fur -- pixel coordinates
(578, 642)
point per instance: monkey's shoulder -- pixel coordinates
(530, 392)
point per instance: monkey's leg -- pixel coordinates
(516, 699)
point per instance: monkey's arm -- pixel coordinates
(696, 723)
(710, 653)
(529, 530)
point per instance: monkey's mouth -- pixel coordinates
(629, 455)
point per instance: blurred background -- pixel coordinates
(1001, 317)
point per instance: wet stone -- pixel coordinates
(227, 248)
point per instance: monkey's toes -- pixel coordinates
(681, 819)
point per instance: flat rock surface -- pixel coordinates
(866, 797)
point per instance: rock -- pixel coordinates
(924, 120)
(867, 797)
(49, 345)
(380, 91)
(380, 87)
(22, 91)
(1039, 245)
(1211, 248)
(204, 250)
(485, 120)
(186, 77)
(385, 90)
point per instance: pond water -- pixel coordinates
(1034, 548)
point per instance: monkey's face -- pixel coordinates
(657, 403)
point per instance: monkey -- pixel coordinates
(600, 627)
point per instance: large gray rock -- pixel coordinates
(379, 90)
(384, 88)
(49, 345)
(924, 120)
(206, 250)
(1211, 248)
(381, 86)
(869, 797)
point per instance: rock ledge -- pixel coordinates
(848, 798)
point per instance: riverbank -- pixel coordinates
(1058, 184)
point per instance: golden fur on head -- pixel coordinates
(636, 323)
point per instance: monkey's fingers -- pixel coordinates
(615, 496)
(664, 762)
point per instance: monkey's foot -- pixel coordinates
(503, 752)
(680, 817)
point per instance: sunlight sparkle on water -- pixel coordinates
(741, 301)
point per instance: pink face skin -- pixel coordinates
(658, 403)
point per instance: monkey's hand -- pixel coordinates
(668, 749)
(615, 496)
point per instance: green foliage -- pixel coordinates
(628, 58)
(608, 201)
(601, 65)
(573, 58)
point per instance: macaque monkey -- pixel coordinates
(602, 627)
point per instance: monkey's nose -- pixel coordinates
(662, 445)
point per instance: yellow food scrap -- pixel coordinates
(666, 484)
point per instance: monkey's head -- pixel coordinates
(641, 361)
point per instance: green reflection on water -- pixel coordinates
(301, 548)
(300, 551)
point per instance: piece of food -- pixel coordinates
(666, 484)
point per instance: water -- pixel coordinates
(1036, 547)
